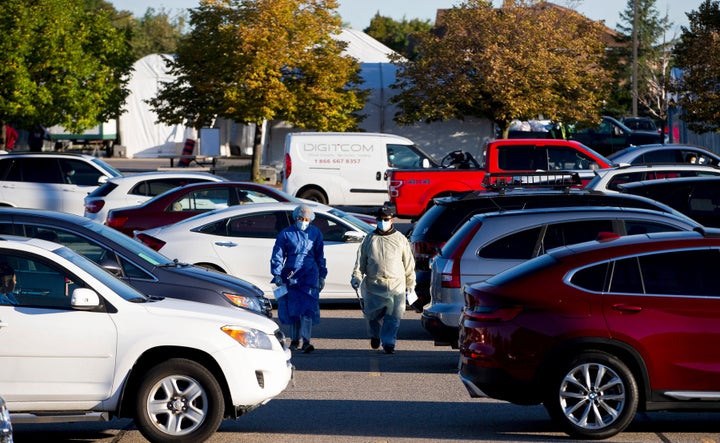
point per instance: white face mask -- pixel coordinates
(384, 225)
(302, 225)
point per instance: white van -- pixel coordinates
(347, 168)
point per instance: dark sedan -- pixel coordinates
(141, 267)
(189, 200)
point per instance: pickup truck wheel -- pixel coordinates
(179, 401)
(313, 195)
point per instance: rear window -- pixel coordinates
(103, 190)
(467, 230)
(524, 269)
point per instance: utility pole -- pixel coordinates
(635, 59)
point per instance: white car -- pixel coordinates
(52, 181)
(134, 189)
(238, 240)
(76, 343)
(609, 180)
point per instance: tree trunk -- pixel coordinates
(257, 154)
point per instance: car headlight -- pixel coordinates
(243, 301)
(248, 337)
(6, 434)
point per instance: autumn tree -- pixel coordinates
(653, 58)
(156, 32)
(697, 55)
(256, 60)
(523, 60)
(60, 64)
(397, 35)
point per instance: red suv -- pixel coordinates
(600, 330)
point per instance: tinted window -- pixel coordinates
(262, 225)
(626, 277)
(518, 246)
(562, 234)
(332, 230)
(661, 156)
(560, 157)
(78, 172)
(522, 158)
(681, 272)
(591, 278)
(151, 188)
(633, 227)
(38, 283)
(103, 190)
(35, 170)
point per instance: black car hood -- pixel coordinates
(232, 283)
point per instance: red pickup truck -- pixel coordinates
(411, 190)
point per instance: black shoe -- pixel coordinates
(294, 345)
(389, 349)
(374, 343)
(307, 348)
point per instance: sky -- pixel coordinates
(358, 13)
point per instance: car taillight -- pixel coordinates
(450, 274)
(491, 313)
(288, 165)
(152, 242)
(115, 221)
(394, 188)
(94, 206)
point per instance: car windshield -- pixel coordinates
(137, 248)
(356, 222)
(115, 284)
(107, 168)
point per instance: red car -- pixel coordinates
(600, 330)
(192, 199)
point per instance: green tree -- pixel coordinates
(156, 33)
(397, 35)
(60, 64)
(256, 60)
(652, 59)
(696, 54)
(521, 61)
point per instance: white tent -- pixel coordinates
(140, 133)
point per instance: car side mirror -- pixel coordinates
(111, 266)
(102, 180)
(84, 299)
(425, 163)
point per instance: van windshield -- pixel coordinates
(408, 157)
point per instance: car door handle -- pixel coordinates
(225, 243)
(624, 307)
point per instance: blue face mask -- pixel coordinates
(302, 225)
(384, 225)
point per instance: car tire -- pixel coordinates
(593, 396)
(313, 195)
(179, 400)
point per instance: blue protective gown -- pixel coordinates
(299, 258)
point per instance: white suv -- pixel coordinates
(493, 242)
(77, 343)
(609, 180)
(52, 181)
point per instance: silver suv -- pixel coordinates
(52, 181)
(610, 180)
(490, 243)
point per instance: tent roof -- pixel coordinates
(363, 47)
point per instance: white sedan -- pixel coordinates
(239, 241)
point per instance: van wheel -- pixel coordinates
(594, 396)
(179, 401)
(313, 195)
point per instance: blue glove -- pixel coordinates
(321, 283)
(278, 280)
(355, 282)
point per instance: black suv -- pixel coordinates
(441, 220)
(696, 197)
(146, 270)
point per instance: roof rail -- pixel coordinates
(501, 181)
